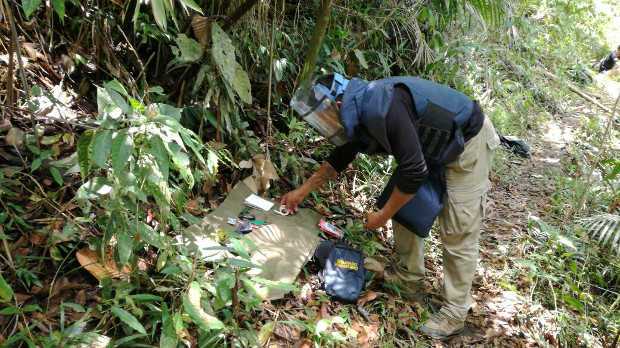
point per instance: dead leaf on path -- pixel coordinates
(287, 332)
(367, 297)
(37, 239)
(80, 297)
(21, 298)
(193, 207)
(5, 125)
(305, 343)
(366, 333)
(149, 216)
(15, 137)
(306, 292)
(32, 51)
(90, 261)
(323, 313)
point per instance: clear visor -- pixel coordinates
(320, 112)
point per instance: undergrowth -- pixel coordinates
(177, 120)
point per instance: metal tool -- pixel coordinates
(282, 210)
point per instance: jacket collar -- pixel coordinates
(352, 105)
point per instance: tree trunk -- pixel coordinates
(315, 43)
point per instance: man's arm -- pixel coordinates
(338, 160)
(325, 173)
(407, 151)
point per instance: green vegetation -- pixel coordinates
(124, 122)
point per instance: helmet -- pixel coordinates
(316, 104)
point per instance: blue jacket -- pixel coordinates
(440, 113)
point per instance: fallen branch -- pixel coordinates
(577, 91)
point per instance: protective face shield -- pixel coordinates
(316, 104)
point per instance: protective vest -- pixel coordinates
(440, 114)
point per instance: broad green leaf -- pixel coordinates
(168, 338)
(223, 53)
(101, 146)
(56, 175)
(181, 163)
(118, 100)
(6, 293)
(170, 111)
(94, 189)
(159, 12)
(9, 311)
(59, 8)
(146, 298)
(128, 319)
(36, 164)
(30, 6)
(74, 307)
(116, 86)
(191, 139)
(150, 236)
(279, 66)
(124, 247)
(83, 150)
(190, 50)
(158, 150)
(51, 139)
(122, 147)
(106, 107)
(191, 4)
(192, 306)
(136, 15)
(200, 77)
(360, 57)
(241, 84)
(32, 308)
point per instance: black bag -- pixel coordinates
(343, 271)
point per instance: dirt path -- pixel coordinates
(504, 313)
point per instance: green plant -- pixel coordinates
(140, 156)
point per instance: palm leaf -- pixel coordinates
(605, 228)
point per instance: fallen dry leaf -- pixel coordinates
(15, 137)
(37, 239)
(193, 207)
(287, 332)
(305, 343)
(323, 313)
(80, 297)
(21, 298)
(90, 261)
(367, 297)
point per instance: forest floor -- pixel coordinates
(504, 313)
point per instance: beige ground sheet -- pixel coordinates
(283, 245)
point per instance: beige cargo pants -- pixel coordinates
(459, 224)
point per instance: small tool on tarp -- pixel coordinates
(280, 247)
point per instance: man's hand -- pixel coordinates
(376, 219)
(292, 199)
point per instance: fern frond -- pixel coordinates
(605, 228)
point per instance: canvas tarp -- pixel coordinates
(283, 245)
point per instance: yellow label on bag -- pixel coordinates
(346, 264)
